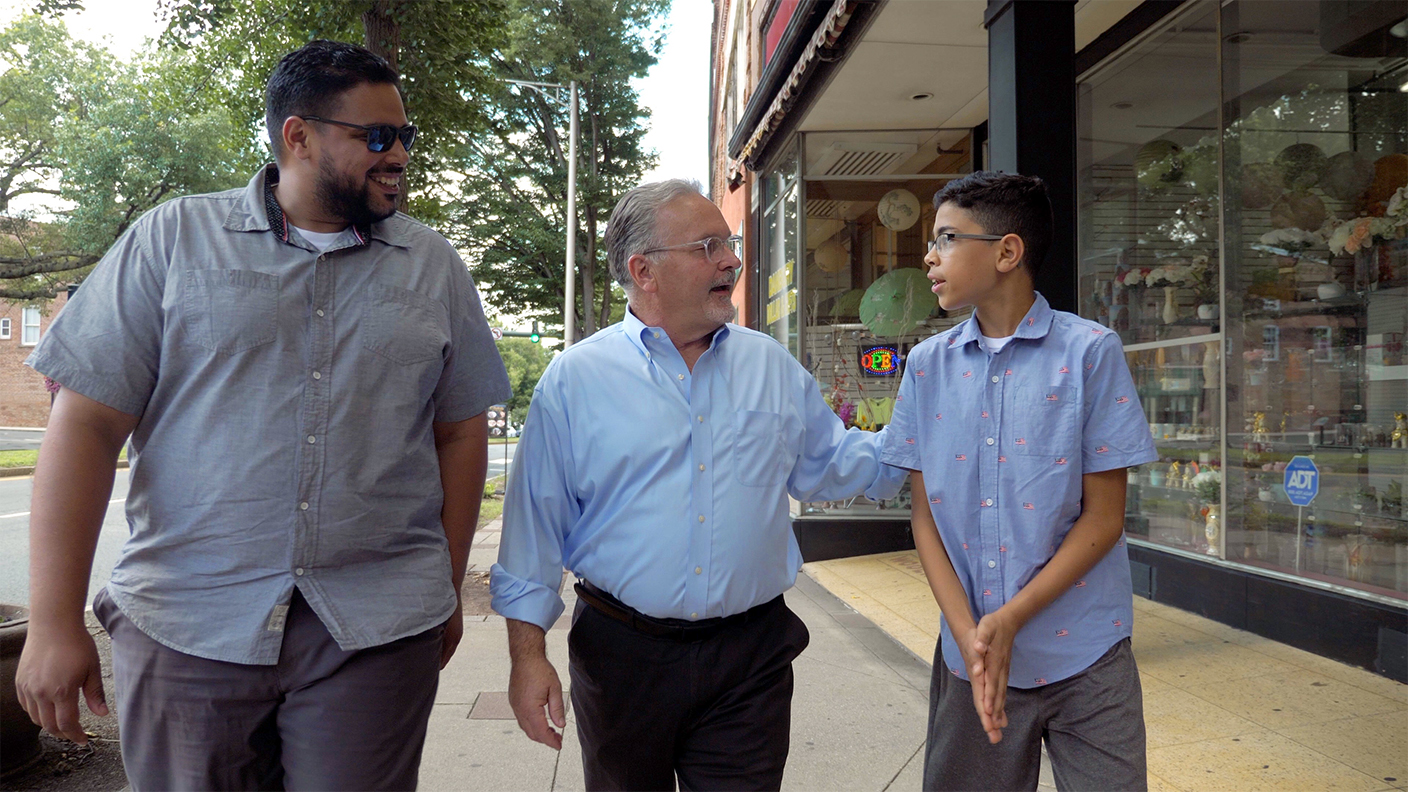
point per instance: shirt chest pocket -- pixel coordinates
(230, 311)
(1045, 420)
(401, 325)
(760, 452)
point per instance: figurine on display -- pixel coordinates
(1188, 472)
(1400, 430)
(1259, 428)
(1175, 474)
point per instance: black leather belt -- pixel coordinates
(673, 629)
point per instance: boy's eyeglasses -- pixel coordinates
(380, 137)
(943, 243)
(713, 247)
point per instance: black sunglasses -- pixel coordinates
(380, 137)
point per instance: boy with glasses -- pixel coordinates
(1018, 425)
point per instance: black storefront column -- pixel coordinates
(1032, 118)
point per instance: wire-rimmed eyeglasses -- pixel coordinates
(713, 247)
(943, 243)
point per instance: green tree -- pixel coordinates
(110, 139)
(525, 362)
(511, 218)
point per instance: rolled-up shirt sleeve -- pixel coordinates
(837, 463)
(540, 509)
(106, 342)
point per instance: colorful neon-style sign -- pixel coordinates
(880, 361)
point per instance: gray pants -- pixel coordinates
(1093, 725)
(322, 718)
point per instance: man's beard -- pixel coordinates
(341, 196)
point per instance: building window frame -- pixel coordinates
(30, 328)
(5, 324)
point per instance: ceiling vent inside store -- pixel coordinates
(862, 159)
(828, 209)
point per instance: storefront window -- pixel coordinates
(865, 299)
(1316, 147)
(778, 252)
(1242, 184)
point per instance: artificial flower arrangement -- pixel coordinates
(1170, 275)
(1351, 236)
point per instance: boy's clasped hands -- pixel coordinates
(987, 652)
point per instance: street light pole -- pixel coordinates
(569, 314)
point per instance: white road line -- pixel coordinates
(26, 514)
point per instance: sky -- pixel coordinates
(676, 90)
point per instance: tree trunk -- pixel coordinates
(381, 28)
(589, 276)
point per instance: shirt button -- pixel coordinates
(647, 356)
(990, 441)
(694, 615)
(699, 570)
(992, 564)
(994, 378)
(303, 506)
(657, 335)
(319, 375)
(701, 518)
(681, 376)
(298, 571)
(988, 501)
(319, 312)
(701, 419)
(312, 439)
(701, 468)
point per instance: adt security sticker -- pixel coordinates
(1302, 482)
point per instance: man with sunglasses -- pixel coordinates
(655, 464)
(303, 372)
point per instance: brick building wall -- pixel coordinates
(23, 399)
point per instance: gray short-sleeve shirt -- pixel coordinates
(286, 401)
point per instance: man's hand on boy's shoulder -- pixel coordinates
(993, 637)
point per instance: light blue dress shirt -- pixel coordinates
(668, 488)
(1003, 440)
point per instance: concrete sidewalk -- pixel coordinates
(1224, 709)
(858, 713)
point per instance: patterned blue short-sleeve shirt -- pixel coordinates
(1003, 440)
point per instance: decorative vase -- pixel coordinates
(1329, 291)
(1207, 311)
(1212, 527)
(1170, 306)
(1212, 364)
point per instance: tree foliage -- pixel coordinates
(110, 139)
(513, 180)
(525, 362)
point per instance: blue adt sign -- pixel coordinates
(1302, 480)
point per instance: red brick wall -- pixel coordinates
(23, 399)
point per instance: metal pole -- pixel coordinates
(569, 313)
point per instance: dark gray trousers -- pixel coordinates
(1093, 725)
(714, 714)
(321, 719)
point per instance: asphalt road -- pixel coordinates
(14, 538)
(14, 531)
(17, 439)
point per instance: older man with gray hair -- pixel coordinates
(656, 464)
